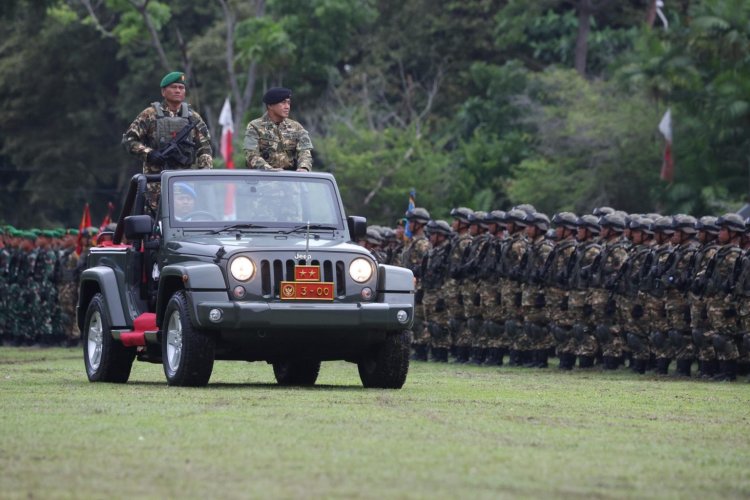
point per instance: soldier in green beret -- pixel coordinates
(274, 141)
(158, 124)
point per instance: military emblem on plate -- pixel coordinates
(288, 291)
(307, 285)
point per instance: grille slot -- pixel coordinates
(273, 272)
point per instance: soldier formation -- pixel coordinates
(606, 288)
(39, 272)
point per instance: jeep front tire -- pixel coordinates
(106, 359)
(296, 372)
(187, 353)
(386, 366)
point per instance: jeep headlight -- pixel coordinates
(360, 270)
(242, 268)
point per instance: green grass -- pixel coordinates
(452, 431)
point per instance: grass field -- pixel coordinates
(452, 431)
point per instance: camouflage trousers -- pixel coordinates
(607, 323)
(510, 306)
(655, 313)
(536, 318)
(583, 327)
(722, 315)
(743, 328)
(635, 331)
(454, 295)
(68, 297)
(420, 335)
(678, 319)
(699, 326)
(493, 332)
(437, 318)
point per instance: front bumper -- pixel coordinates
(304, 316)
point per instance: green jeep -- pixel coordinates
(242, 265)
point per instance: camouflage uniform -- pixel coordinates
(435, 300)
(68, 295)
(585, 260)
(512, 265)
(283, 146)
(455, 298)
(142, 137)
(411, 258)
(533, 295)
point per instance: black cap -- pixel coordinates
(276, 94)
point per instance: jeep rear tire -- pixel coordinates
(296, 372)
(187, 353)
(106, 359)
(386, 366)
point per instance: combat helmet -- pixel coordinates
(590, 222)
(684, 223)
(517, 217)
(373, 236)
(662, 225)
(732, 221)
(600, 211)
(461, 213)
(538, 220)
(439, 226)
(565, 219)
(495, 217)
(418, 214)
(613, 221)
(526, 207)
(708, 224)
(477, 217)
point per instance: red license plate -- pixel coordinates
(292, 290)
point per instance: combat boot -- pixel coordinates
(462, 354)
(542, 358)
(683, 367)
(514, 358)
(585, 361)
(493, 354)
(609, 362)
(476, 356)
(420, 353)
(662, 366)
(639, 365)
(743, 368)
(727, 371)
(565, 363)
(440, 354)
(528, 359)
(502, 351)
(708, 368)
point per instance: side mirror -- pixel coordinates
(357, 227)
(138, 226)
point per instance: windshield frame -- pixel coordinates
(262, 225)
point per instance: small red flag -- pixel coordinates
(85, 222)
(107, 218)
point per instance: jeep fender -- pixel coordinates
(102, 280)
(203, 276)
(395, 285)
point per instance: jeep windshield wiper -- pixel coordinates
(238, 226)
(324, 227)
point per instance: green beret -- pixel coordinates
(49, 233)
(28, 235)
(74, 232)
(173, 77)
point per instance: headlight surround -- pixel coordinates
(242, 268)
(361, 270)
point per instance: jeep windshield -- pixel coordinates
(253, 203)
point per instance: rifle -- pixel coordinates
(172, 152)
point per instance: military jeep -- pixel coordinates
(241, 265)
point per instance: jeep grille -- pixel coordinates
(273, 272)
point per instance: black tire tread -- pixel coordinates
(388, 365)
(117, 360)
(198, 348)
(302, 372)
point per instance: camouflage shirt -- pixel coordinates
(285, 146)
(140, 138)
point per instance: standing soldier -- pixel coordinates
(275, 141)
(536, 335)
(374, 243)
(584, 263)
(721, 275)
(474, 257)
(68, 288)
(411, 258)
(435, 269)
(4, 276)
(152, 131)
(614, 253)
(454, 284)
(655, 304)
(554, 278)
(512, 265)
(677, 280)
(630, 299)
(497, 341)
(708, 233)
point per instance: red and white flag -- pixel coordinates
(227, 133)
(667, 166)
